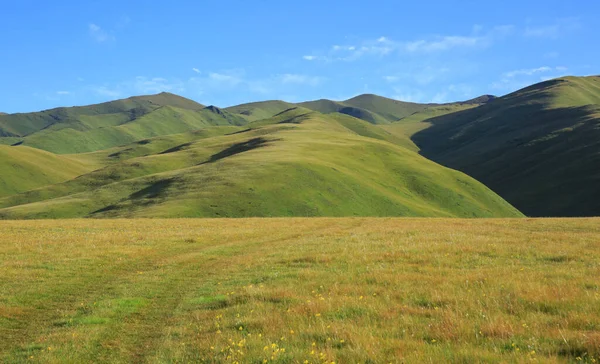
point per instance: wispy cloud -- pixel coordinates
(140, 85)
(422, 75)
(98, 34)
(289, 78)
(211, 85)
(559, 28)
(384, 46)
(517, 79)
(448, 93)
(443, 44)
(196, 70)
(105, 91)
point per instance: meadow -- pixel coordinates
(300, 290)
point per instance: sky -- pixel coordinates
(65, 53)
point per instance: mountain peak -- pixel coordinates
(213, 108)
(483, 99)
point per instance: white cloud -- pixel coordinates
(445, 94)
(196, 70)
(105, 91)
(517, 79)
(98, 34)
(289, 78)
(384, 46)
(527, 72)
(560, 28)
(213, 85)
(230, 78)
(145, 85)
(422, 75)
(551, 55)
(442, 44)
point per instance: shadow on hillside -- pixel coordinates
(237, 149)
(540, 159)
(176, 148)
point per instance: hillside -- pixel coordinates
(79, 132)
(539, 147)
(92, 116)
(260, 110)
(391, 110)
(299, 163)
(25, 168)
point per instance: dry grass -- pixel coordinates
(300, 290)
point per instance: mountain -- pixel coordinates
(104, 114)
(101, 126)
(297, 163)
(538, 147)
(260, 110)
(483, 99)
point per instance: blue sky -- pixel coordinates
(64, 53)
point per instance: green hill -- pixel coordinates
(25, 168)
(392, 110)
(82, 133)
(538, 147)
(299, 163)
(92, 116)
(372, 108)
(260, 110)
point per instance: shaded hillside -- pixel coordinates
(298, 163)
(538, 147)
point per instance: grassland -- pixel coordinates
(300, 290)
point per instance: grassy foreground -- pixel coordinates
(297, 290)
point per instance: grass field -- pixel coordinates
(295, 290)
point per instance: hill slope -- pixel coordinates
(26, 168)
(91, 116)
(298, 163)
(538, 147)
(97, 127)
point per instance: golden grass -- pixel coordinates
(300, 290)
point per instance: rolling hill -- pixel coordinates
(539, 147)
(297, 163)
(92, 116)
(25, 168)
(102, 126)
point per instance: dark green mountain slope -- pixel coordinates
(539, 147)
